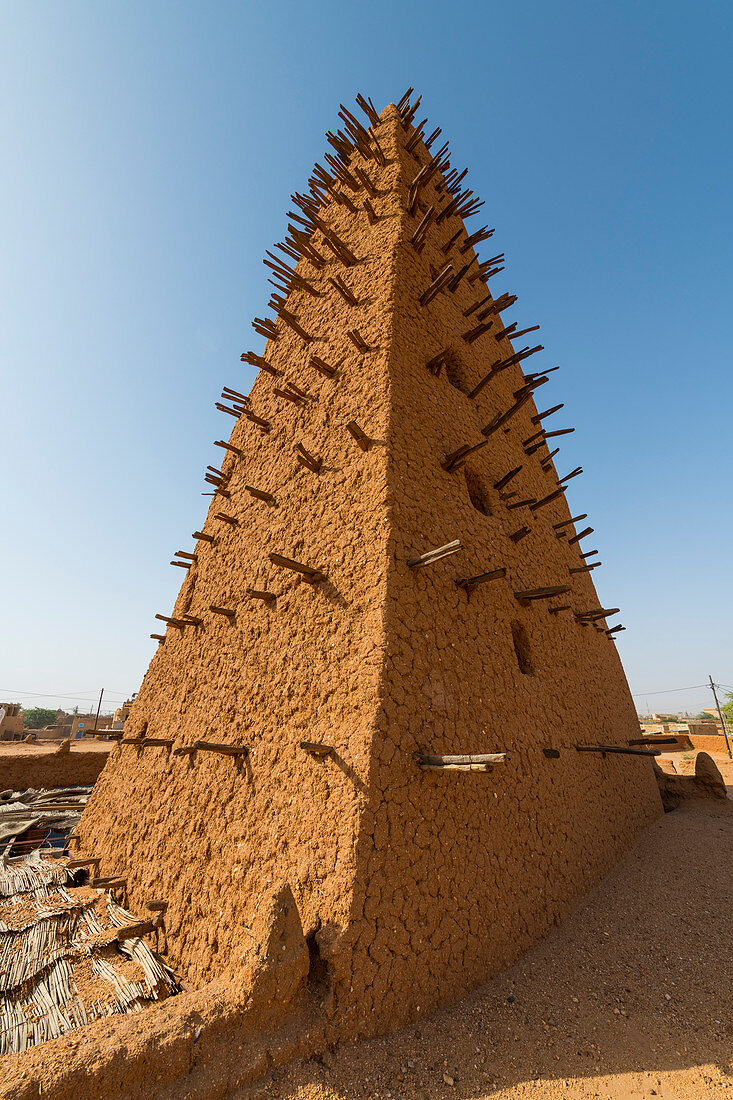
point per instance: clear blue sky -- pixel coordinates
(149, 149)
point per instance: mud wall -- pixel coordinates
(418, 885)
(457, 874)
(709, 743)
(39, 769)
(204, 831)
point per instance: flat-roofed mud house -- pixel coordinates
(388, 648)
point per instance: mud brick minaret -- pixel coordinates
(387, 680)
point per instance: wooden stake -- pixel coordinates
(292, 321)
(548, 412)
(360, 436)
(323, 367)
(511, 332)
(437, 362)
(504, 481)
(358, 340)
(226, 519)
(437, 285)
(294, 397)
(456, 280)
(265, 327)
(311, 575)
(259, 361)
(228, 447)
(473, 758)
(307, 459)
(445, 249)
(481, 763)
(546, 500)
(568, 522)
(502, 364)
(542, 593)
(223, 750)
(457, 458)
(469, 583)
(623, 750)
(582, 535)
(261, 494)
(586, 568)
(266, 597)
(596, 613)
(501, 418)
(173, 622)
(202, 535)
(480, 235)
(292, 388)
(347, 295)
(315, 748)
(226, 611)
(264, 424)
(145, 742)
(473, 335)
(183, 564)
(158, 637)
(518, 535)
(418, 237)
(370, 212)
(364, 178)
(573, 473)
(435, 555)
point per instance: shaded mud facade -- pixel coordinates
(411, 886)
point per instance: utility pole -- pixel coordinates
(720, 716)
(99, 707)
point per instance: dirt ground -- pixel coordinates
(631, 997)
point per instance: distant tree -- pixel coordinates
(38, 717)
(703, 716)
(727, 709)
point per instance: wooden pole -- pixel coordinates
(720, 716)
(99, 707)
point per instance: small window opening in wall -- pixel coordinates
(478, 493)
(318, 976)
(455, 373)
(521, 648)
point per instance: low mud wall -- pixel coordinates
(712, 744)
(43, 768)
(198, 1045)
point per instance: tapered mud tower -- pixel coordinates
(387, 650)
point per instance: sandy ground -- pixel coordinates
(631, 997)
(39, 749)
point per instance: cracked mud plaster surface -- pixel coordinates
(418, 885)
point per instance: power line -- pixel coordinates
(60, 695)
(636, 694)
